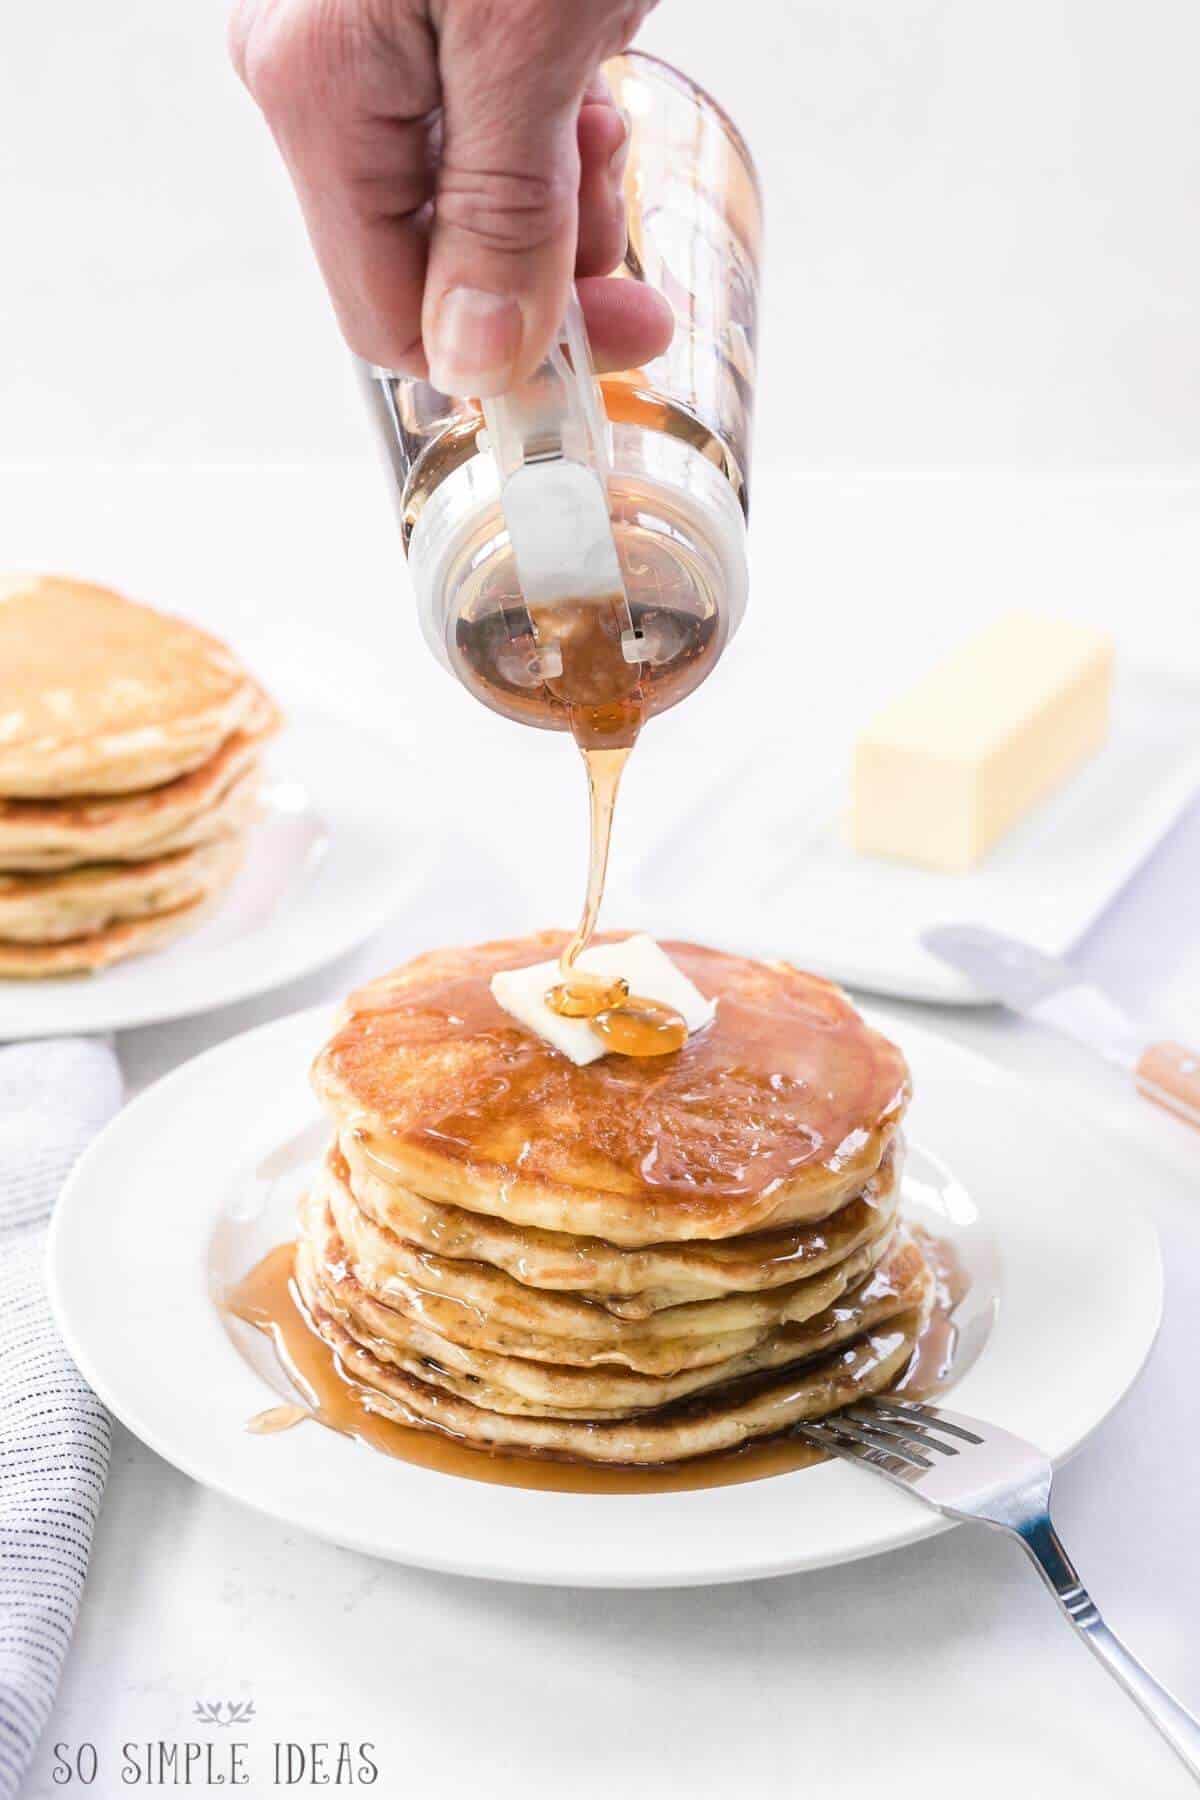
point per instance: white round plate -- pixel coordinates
(211, 1157)
(343, 843)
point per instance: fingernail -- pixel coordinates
(476, 338)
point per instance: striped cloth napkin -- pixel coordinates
(54, 1434)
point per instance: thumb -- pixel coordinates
(502, 250)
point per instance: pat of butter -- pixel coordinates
(953, 764)
(638, 960)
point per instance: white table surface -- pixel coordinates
(937, 1671)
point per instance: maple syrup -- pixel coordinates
(628, 1024)
(940, 1347)
(576, 654)
(787, 1088)
(584, 995)
(277, 1418)
(267, 1298)
(604, 771)
(636, 1027)
(583, 667)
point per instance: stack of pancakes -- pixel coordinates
(637, 1261)
(129, 754)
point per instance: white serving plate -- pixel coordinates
(343, 843)
(858, 919)
(216, 1149)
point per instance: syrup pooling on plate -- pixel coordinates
(266, 1298)
(941, 1348)
(277, 1418)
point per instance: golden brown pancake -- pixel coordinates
(77, 903)
(701, 1424)
(87, 955)
(101, 696)
(632, 1261)
(630, 1282)
(519, 1383)
(778, 1112)
(480, 1306)
(215, 800)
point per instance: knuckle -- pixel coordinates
(238, 32)
(388, 346)
(395, 196)
(504, 209)
(292, 53)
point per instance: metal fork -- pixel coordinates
(969, 1470)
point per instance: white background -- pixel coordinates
(980, 384)
(982, 234)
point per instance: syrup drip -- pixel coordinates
(277, 1418)
(939, 1346)
(597, 666)
(584, 995)
(639, 1027)
(604, 771)
(628, 1024)
(267, 1299)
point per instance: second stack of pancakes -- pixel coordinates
(630, 1262)
(129, 768)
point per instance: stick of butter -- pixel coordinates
(950, 766)
(649, 971)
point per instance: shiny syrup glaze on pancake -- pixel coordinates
(787, 1081)
(791, 1251)
(267, 1299)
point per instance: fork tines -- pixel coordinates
(895, 1435)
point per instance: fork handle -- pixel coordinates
(1044, 1548)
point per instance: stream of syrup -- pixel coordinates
(267, 1299)
(601, 692)
(628, 1024)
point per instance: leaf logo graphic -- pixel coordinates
(224, 1712)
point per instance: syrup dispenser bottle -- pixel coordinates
(578, 548)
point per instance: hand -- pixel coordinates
(458, 162)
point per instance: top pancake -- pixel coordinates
(101, 696)
(780, 1110)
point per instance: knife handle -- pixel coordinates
(1170, 1075)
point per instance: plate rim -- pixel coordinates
(911, 1526)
